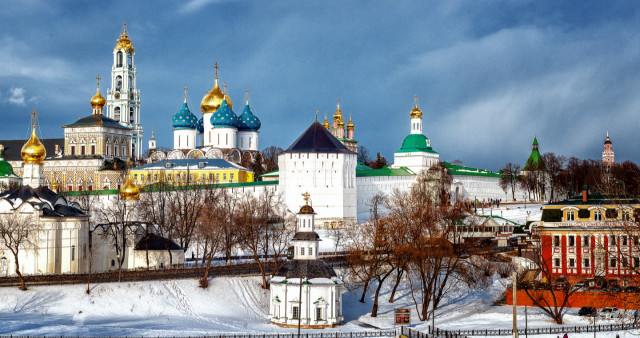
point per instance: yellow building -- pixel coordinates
(191, 171)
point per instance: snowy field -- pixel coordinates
(229, 305)
(515, 212)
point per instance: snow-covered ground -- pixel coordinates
(229, 305)
(515, 212)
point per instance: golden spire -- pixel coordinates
(185, 93)
(97, 101)
(129, 191)
(213, 99)
(326, 124)
(337, 116)
(226, 96)
(306, 208)
(416, 113)
(124, 42)
(33, 151)
(247, 94)
(350, 125)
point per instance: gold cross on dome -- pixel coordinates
(216, 68)
(306, 197)
(98, 79)
(124, 27)
(34, 115)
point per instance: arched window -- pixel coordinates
(116, 113)
(131, 114)
(130, 59)
(119, 59)
(130, 82)
(118, 82)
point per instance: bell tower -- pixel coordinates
(123, 98)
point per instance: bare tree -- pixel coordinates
(18, 231)
(551, 293)
(555, 166)
(510, 178)
(114, 219)
(371, 248)
(270, 158)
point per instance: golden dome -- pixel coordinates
(129, 191)
(326, 124)
(33, 151)
(97, 101)
(350, 125)
(212, 101)
(306, 209)
(124, 42)
(337, 116)
(416, 113)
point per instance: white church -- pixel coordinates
(305, 290)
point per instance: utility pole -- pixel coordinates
(515, 307)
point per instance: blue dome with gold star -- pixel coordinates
(247, 121)
(184, 119)
(200, 126)
(224, 116)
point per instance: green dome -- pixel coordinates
(415, 143)
(5, 168)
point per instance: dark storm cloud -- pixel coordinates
(489, 75)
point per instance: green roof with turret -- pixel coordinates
(534, 162)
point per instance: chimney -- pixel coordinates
(584, 194)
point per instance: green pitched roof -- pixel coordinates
(385, 171)
(469, 171)
(415, 143)
(534, 162)
(362, 166)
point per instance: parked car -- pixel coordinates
(581, 285)
(632, 288)
(588, 311)
(610, 312)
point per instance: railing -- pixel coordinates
(545, 330)
(357, 334)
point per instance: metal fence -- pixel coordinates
(546, 330)
(358, 334)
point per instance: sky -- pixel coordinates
(489, 75)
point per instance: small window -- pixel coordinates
(571, 215)
(625, 215)
(556, 262)
(572, 262)
(318, 313)
(310, 251)
(73, 150)
(613, 262)
(612, 240)
(301, 251)
(296, 312)
(586, 262)
(585, 241)
(113, 262)
(636, 262)
(93, 150)
(556, 240)
(597, 215)
(624, 240)
(572, 241)
(73, 253)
